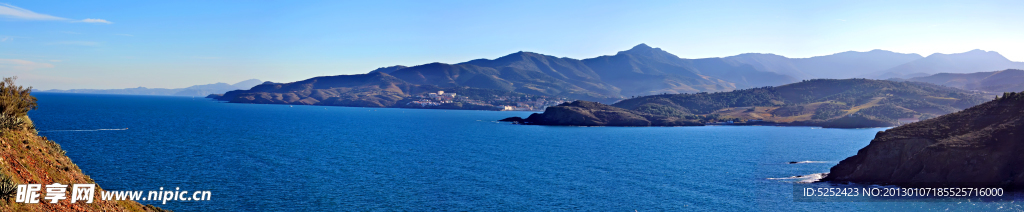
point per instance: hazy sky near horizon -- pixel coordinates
(173, 44)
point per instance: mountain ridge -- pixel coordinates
(639, 71)
(646, 70)
(966, 62)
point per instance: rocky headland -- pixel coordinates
(584, 113)
(979, 146)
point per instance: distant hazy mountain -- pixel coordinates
(876, 64)
(836, 66)
(247, 83)
(771, 63)
(852, 64)
(195, 90)
(967, 62)
(1010, 80)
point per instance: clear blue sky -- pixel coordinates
(172, 44)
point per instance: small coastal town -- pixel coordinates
(436, 99)
(442, 99)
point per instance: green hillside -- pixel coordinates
(815, 101)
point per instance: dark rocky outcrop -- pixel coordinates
(584, 113)
(979, 146)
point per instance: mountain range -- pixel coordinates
(1010, 80)
(644, 70)
(195, 90)
(639, 71)
(842, 65)
(377, 89)
(967, 62)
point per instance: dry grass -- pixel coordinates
(872, 103)
(28, 158)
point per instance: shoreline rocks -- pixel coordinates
(980, 146)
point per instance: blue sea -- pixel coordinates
(256, 157)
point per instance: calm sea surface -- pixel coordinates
(314, 158)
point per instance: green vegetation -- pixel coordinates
(7, 187)
(704, 103)
(1011, 96)
(584, 113)
(15, 102)
(793, 110)
(829, 110)
(663, 110)
(889, 112)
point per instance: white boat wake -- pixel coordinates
(808, 161)
(803, 178)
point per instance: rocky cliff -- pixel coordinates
(979, 146)
(27, 158)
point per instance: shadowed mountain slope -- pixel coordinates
(642, 70)
(364, 90)
(979, 146)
